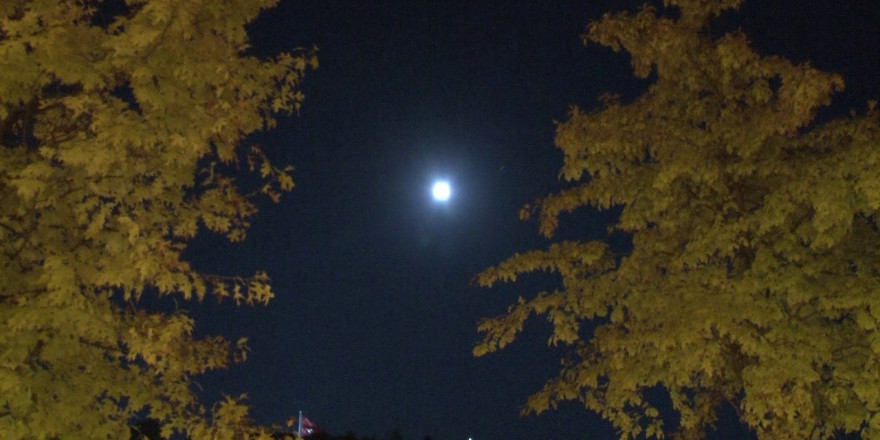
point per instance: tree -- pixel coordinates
(754, 275)
(122, 128)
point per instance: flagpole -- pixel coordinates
(299, 429)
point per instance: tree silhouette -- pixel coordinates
(753, 277)
(119, 129)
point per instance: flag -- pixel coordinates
(307, 427)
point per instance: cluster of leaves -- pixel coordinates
(150, 429)
(754, 278)
(116, 129)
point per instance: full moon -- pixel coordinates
(441, 191)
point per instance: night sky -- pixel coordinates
(374, 318)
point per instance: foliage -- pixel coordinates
(754, 278)
(121, 132)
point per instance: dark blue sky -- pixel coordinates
(374, 320)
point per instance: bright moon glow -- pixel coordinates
(441, 191)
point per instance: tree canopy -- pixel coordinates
(754, 275)
(122, 128)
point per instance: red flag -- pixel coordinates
(308, 427)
